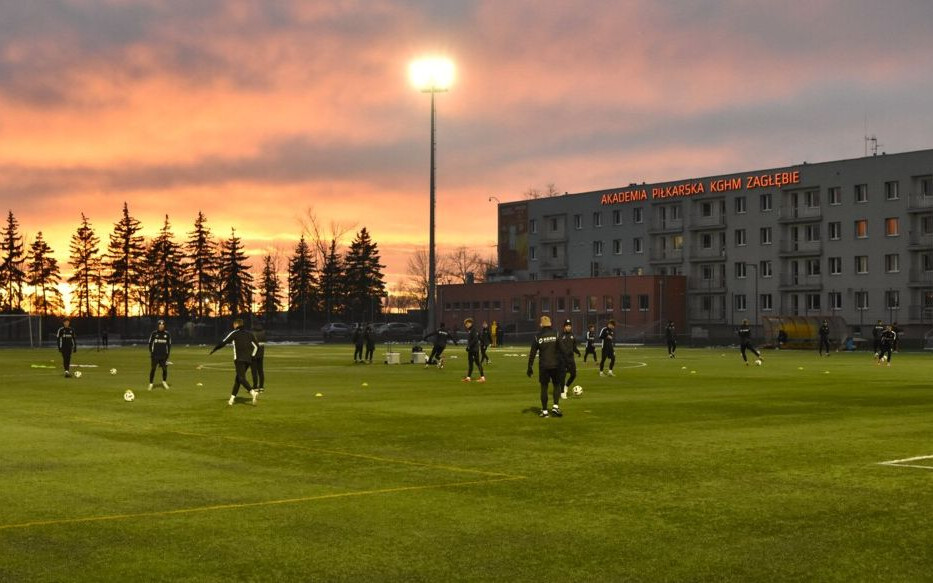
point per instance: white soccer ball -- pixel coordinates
(578, 390)
(77, 374)
(884, 358)
(128, 395)
(113, 371)
(758, 362)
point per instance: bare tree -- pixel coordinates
(320, 236)
(462, 263)
(549, 191)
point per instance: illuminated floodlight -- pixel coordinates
(432, 74)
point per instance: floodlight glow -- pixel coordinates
(433, 74)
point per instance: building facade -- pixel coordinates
(850, 238)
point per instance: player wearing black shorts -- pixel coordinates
(473, 352)
(876, 332)
(485, 338)
(671, 334)
(607, 336)
(745, 339)
(358, 343)
(67, 345)
(370, 339)
(441, 338)
(590, 343)
(244, 349)
(567, 348)
(258, 367)
(886, 345)
(824, 337)
(549, 366)
(160, 347)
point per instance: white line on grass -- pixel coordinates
(903, 463)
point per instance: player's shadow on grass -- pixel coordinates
(534, 410)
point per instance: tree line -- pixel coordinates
(201, 276)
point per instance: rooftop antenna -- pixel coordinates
(871, 141)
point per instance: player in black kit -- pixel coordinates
(607, 335)
(67, 344)
(473, 350)
(370, 338)
(358, 342)
(549, 366)
(886, 345)
(876, 338)
(567, 347)
(671, 335)
(824, 337)
(160, 347)
(257, 367)
(244, 349)
(745, 339)
(590, 343)
(441, 338)
(485, 340)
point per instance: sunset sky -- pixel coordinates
(256, 111)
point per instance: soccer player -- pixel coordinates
(897, 336)
(485, 341)
(257, 366)
(441, 338)
(548, 366)
(671, 335)
(244, 349)
(160, 347)
(370, 340)
(876, 338)
(473, 349)
(567, 347)
(590, 343)
(824, 337)
(745, 339)
(67, 344)
(358, 343)
(886, 345)
(607, 335)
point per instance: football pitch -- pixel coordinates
(692, 469)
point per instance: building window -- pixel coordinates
(545, 304)
(706, 209)
(765, 268)
(706, 303)
(740, 302)
(861, 264)
(740, 270)
(574, 304)
(741, 239)
(638, 245)
(561, 304)
(812, 198)
(764, 202)
(578, 222)
(594, 269)
(677, 241)
(835, 265)
(532, 253)
(553, 223)
(626, 303)
(813, 302)
(811, 233)
(926, 186)
(927, 262)
(892, 227)
(861, 300)
(766, 235)
(533, 226)
(597, 219)
(597, 248)
(637, 215)
(765, 302)
(706, 241)
(607, 303)
(740, 205)
(891, 190)
(617, 217)
(643, 302)
(707, 272)
(835, 231)
(892, 263)
(813, 266)
(835, 300)
(617, 246)
(835, 196)
(516, 305)
(554, 252)
(926, 225)
(591, 303)
(861, 193)
(861, 229)
(892, 299)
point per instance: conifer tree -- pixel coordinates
(86, 266)
(302, 283)
(201, 254)
(365, 285)
(43, 275)
(168, 287)
(331, 282)
(125, 260)
(271, 288)
(12, 275)
(236, 282)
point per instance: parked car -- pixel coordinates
(336, 330)
(399, 331)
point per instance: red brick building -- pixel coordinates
(641, 305)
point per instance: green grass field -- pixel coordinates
(730, 473)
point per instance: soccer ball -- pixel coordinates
(577, 390)
(884, 358)
(128, 395)
(113, 371)
(77, 374)
(758, 362)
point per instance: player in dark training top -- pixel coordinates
(369, 337)
(358, 342)
(67, 344)
(244, 349)
(745, 339)
(160, 348)
(876, 338)
(607, 335)
(258, 367)
(485, 337)
(590, 343)
(824, 337)
(671, 334)
(567, 347)
(441, 338)
(473, 352)
(549, 366)
(886, 345)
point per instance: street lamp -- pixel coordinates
(432, 75)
